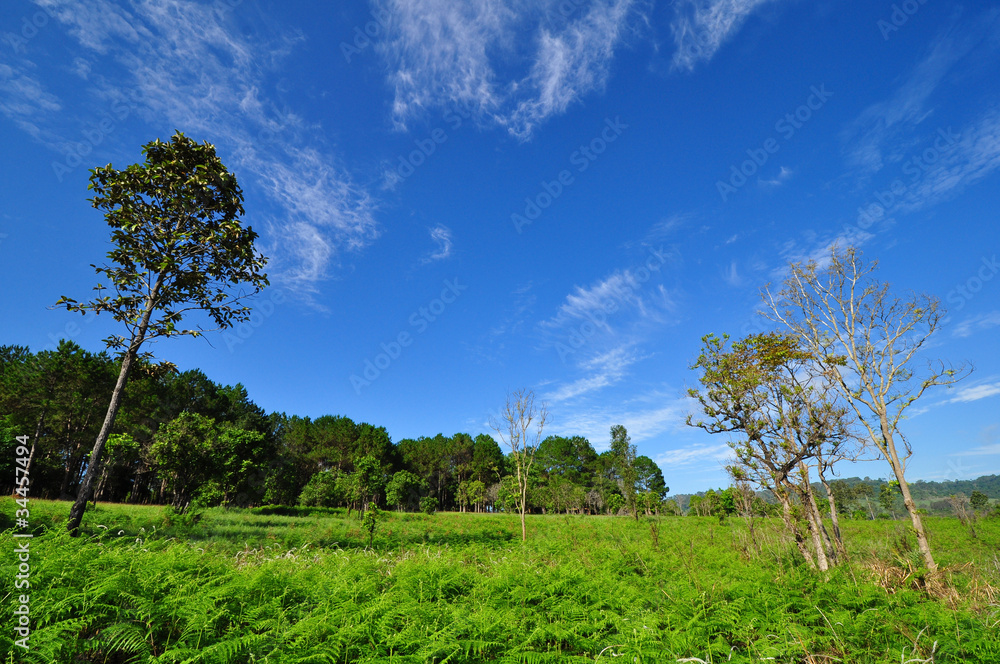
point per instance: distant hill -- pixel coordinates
(923, 492)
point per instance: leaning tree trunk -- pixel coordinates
(817, 518)
(834, 517)
(786, 515)
(814, 529)
(34, 441)
(911, 507)
(76, 512)
(83, 495)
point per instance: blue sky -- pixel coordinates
(454, 196)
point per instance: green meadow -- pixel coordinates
(303, 585)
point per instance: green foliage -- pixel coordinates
(404, 489)
(469, 493)
(615, 502)
(178, 246)
(177, 241)
(624, 455)
(888, 496)
(196, 457)
(507, 495)
(369, 522)
(314, 586)
(321, 491)
(428, 505)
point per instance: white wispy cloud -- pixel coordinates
(990, 446)
(873, 132)
(514, 318)
(511, 62)
(569, 64)
(603, 370)
(731, 275)
(24, 100)
(984, 450)
(883, 133)
(692, 455)
(589, 302)
(974, 155)
(976, 392)
(184, 64)
(642, 420)
(978, 323)
(441, 235)
(818, 247)
(623, 290)
(783, 175)
(701, 27)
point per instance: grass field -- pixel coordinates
(253, 586)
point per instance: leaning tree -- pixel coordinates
(179, 247)
(867, 341)
(760, 392)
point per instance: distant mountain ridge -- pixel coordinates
(922, 490)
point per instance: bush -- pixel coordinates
(428, 505)
(369, 522)
(186, 516)
(321, 491)
(403, 490)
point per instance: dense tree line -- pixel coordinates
(181, 438)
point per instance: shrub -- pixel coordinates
(321, 491)
(428, 505)
(370, 522)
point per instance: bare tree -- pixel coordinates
(866, 341)
(520, 428)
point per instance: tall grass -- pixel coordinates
(246, 586)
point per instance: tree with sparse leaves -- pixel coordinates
(866, 340)
(179, 246)
(520, 428)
